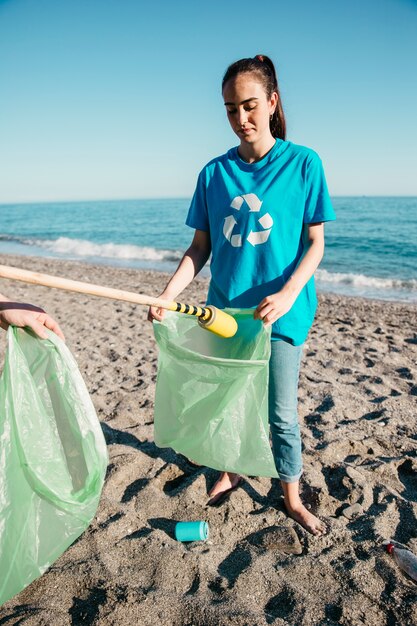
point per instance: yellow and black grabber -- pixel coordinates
(210, 318)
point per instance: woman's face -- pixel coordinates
(248, 107)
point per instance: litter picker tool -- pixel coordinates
(209, 317)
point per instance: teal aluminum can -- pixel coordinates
(191, 531)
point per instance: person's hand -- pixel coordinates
(155, 313)
(22, 314)
(273, 307)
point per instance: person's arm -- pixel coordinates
(277, 304)
(23, 314)
(190, 265)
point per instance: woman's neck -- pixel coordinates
(252, 152)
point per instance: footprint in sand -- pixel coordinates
(407, 473)
(337, 485)
(86, 610)
(111, 520)
(195, 585)
(405, 372)
(138, 534)
(134, 488)
(174, 479)
(235, 563)
(373, 415)
(378, 400)
(282, 606)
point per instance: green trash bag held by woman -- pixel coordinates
(211, 401)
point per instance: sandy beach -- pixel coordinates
(358, 392)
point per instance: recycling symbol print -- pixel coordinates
(255, 237)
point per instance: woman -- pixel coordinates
(259, 209)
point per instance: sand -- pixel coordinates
(358, 389)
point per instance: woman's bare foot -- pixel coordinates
(223, 488)
(226, 481)
(307, 520)
(299, 513)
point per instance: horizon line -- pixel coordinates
(139, 198)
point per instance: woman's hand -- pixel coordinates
(274, 306)
(22, 314)
(191, 263)
(278, 304)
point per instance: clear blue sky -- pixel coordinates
(121, 98)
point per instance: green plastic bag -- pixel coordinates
(53, 457)
(211, 401)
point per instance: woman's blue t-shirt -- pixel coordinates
(256, 215)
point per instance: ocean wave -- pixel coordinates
(83, 248)
(364, 282)
(360, 284)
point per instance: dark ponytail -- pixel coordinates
(263, 67)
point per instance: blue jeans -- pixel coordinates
(284, 368)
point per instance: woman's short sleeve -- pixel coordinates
(197, 213)
(318, 206)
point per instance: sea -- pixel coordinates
(371, 249)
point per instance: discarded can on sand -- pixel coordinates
(191, 531)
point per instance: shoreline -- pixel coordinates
(29, 262)
(357, 408)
